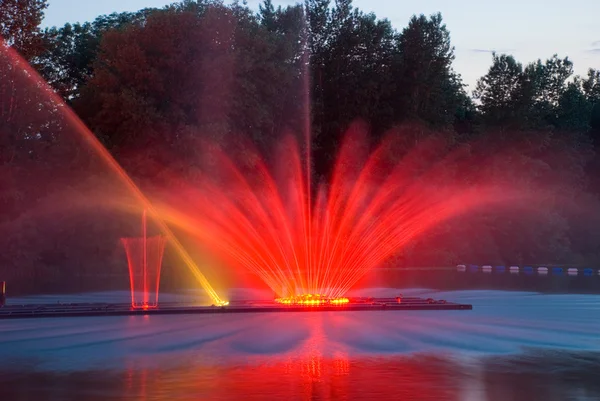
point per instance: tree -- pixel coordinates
(182, 75)
(268, 75)
(546, 83)
(551, 79)
(30, 119)
(356, 71)
(501, 91)
(574, 110)
(20, 97)
(20, 25)
(427, 87)
(67, 61)
(144, 87)
(350, 59)
(319, 26)
(268, 15)
(467, 119)
(591, 89)
(318, 18)
(284, 71)
(591, 86)
(70, 51)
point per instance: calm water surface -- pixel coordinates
(512, 346)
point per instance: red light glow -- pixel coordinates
(300, 238)
(144, 257)
(312, 300)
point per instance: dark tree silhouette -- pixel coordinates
(151, 84)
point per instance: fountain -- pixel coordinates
(313, 250)
(144, 258)
(309, 240)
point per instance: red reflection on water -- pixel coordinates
(314, 370)
(380, 379)
(313, 378)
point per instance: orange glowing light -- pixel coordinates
(23, 74)
(312, 300)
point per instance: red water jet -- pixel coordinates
(144, 257)
(376, 202)
(45, 148)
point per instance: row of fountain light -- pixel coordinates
(312, 300)
(541, 270)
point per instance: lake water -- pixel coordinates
(514, 345)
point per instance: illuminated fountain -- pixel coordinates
(311, 250)
(312, 300)
(144, 258)
(309, 240)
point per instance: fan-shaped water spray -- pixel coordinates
(263, 218)
(302, 237)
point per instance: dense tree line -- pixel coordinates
(150, 84)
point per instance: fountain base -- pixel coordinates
(311, 300)
(109, 309)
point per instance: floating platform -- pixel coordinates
(110, 309)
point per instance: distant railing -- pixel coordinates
(531, 270)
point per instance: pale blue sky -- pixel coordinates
(528, 29)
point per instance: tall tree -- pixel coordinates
(179, 75)
(574, 110)
(268, 15)
(351, 56)
(428, 88)
(318, 17)
(286, 62)
(591, 88)
(146, 81)
(551, 78)
(70, 51)
(546, 83)
(29, 119)
(501, 91)
(20, 25)
(67, 61)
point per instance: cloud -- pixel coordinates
(491, 50)
(595, 51)
(596, 43)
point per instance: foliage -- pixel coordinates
(20, 25)
(153, 84)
